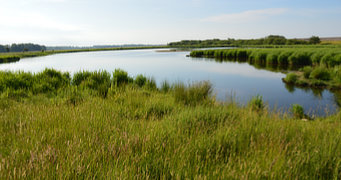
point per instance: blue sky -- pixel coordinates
(94, 22)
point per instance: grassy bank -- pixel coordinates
(322, 64)
(13, 57)
(102, 125)
(279, 56)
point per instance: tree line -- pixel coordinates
(22, 47)
(269, 40)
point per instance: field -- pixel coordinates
(103, 125)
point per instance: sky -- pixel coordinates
(109, 22)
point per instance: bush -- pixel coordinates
(297, 111)
(291, 78)
(320, 73)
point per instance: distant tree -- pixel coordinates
(2, 48)
(275, 40)
(314, 40)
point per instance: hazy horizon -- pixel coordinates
(118, 22)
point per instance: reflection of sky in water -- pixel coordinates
(239, 80)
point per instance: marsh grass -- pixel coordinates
(193, 94)
(137, 133)
(295, 56)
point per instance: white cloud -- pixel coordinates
(34, 20)
(246, 16)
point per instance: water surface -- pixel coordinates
(231, 80)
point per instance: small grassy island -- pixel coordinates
(98, 125)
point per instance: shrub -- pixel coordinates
(307, 71)
(320, 73)
(291, 78)
(297, 111)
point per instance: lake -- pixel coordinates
(231, 80)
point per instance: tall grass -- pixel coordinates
(136, 133)
(197, 93)
(280, 56)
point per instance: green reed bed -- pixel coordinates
(322, 64)
(278, 56)
(136, 132)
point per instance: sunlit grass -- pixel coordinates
(138, 133)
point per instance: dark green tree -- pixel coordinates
(314, 40)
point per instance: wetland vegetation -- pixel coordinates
(321, 65)
(16, 56)
(101, 124)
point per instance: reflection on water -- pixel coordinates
(241, 80)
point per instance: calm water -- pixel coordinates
(231, 80)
